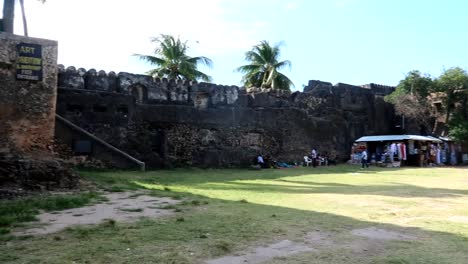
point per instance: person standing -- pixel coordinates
(364, 157)
(313, 155)
(393, 151)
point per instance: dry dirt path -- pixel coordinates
(367, 241)
(121, 207)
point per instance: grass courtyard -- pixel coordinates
(232, 211)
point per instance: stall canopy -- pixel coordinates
(398, 138)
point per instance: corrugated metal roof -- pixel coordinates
(397, 138)
(446, 138)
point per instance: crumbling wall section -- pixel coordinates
(27, 107)
(28, 93)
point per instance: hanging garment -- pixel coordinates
(403, 151)
(400, 157)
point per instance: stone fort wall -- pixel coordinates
(27, 108)
(177, 123)
(28, 93)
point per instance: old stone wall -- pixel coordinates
(27, 107)
(28, 94)
(174, 123)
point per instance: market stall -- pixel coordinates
(399, 150)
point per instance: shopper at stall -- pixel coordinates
(364, 159)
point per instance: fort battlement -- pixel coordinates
(148, 90)
(176, 122)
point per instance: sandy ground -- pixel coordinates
(367, 241)
(121, 207)
(261, 254)
(381, 234)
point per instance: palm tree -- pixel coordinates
(172, 61)
(263, 70)
(9, 15)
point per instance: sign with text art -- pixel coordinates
(29, 62)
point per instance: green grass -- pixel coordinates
(14, 212)
(226, 211)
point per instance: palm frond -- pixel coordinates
(263, 70)
(248, 68)
(202, 60)
(172, 60)
(283, 64)
(151, 59)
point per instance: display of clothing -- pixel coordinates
(393, 150)
(402, 152)
(399, 152)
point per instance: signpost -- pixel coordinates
(29, 62)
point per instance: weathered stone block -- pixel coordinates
(27, 108)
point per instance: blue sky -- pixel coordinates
(350, 41)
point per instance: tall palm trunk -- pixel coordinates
(8, 15)
(23, 13)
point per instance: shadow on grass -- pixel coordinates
(197, 175)
(228, 227)
(245, 180)
(395, 190)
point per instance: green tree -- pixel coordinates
(454, 84)
(263, 70)
(459, 128)
(415, 83)
(410, 97)
(172, 61)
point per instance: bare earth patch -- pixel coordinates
(368, 241)
(261, 254)
(381, 234)
(121, 207)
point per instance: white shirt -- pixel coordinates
(393, 148)
(260, 159)
(364, 155)
(314, 154)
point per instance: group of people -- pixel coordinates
(266, 162)
(390, 152)
(314, 157)
(317, 159)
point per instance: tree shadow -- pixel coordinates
(257, 224)
(199, 176)
(249, 180)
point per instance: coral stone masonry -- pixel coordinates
(28, 94)
(167, 123)
(28, 91)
